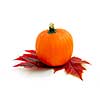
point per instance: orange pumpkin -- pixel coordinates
(54, 46)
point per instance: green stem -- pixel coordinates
(51, 29)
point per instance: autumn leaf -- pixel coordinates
(31, 51)
(73, 70)
(78, 60)
(58, 68)
(30, 60)
(75, 67)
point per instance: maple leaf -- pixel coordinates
(74, 66)
(58, 68)
(78, 60)
(31, 51)
(30, 61)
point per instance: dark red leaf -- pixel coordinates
(75, 60)
(70, 69)
(78, 66)
(57, 69)
(20, 58)
(31, 51)
(29, 59)
(24, 64)
(74, 66)
(78, 60)
(30, 55)
(85, 62)
(41, 65)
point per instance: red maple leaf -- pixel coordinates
(74, 66)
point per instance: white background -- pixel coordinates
(20, 23)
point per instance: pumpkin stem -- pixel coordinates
(51, 28)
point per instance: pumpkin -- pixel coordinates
(54, 46)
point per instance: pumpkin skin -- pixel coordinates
(54, 47)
